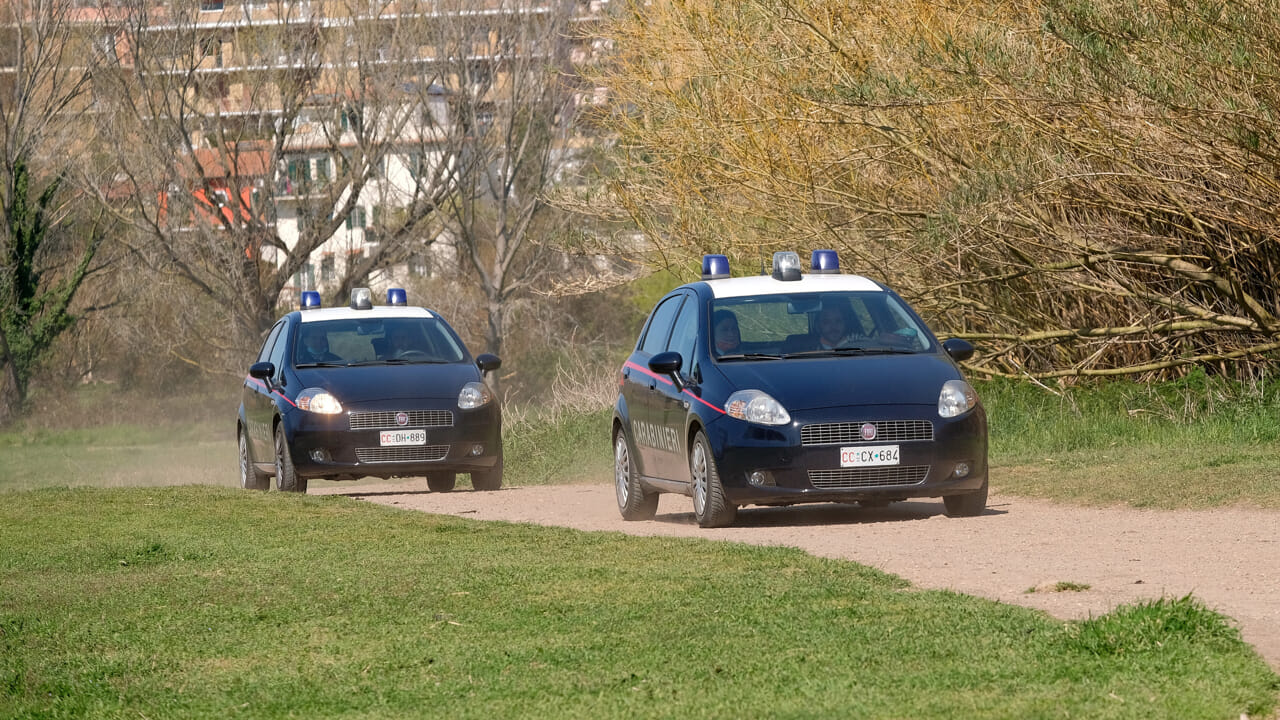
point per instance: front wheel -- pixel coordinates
(710, 507)
(287, 479)
(250, 477)
(490, 479)
(633, 503)
(441, 481)
(968, 505)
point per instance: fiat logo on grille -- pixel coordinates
(868, 431)
(403, 419)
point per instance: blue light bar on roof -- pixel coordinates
(310, 300)
(397, 296)
(824, 262)
(715, 267)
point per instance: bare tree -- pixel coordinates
(508, 74)
(255, 139)
(46, 62)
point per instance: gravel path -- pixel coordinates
(1229, 558)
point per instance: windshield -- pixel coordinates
(813, 324)
(375, 341)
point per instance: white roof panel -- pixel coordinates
(767, 285)
(377, 311)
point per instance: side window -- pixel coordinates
(278, 352)
(684, 337)
(265, 353)
(655, 338)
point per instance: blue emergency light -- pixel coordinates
(715, 267)
(825, 262)
(310, 300)
(397, 296)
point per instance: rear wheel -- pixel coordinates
(441, 481)
(490, 479)
(633, 503)
(710, 507)
(250, 477)
(968, 505)
(287, 479)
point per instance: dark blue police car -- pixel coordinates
(794, 388)
(383, 391)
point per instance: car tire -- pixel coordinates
(250, 477)
(441, 481)
(633, 502)
(710, 507)
(287, 479)
(970, 504)
(488, 480)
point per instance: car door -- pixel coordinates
(671, 403)
(258, 402)
(641, 387)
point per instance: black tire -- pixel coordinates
(287, 479)
(968, 505)
(710, 507)
(633, 502)
(250, 477)
(488, 480)
(441, 481)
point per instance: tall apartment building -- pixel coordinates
(335, 125)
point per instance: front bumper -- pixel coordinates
(788, 470)
(347, 445)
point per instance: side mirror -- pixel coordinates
(959, 350)
(666, 363)
(488, 362)
(262, 370)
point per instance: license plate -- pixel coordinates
(392, 438)
(870, 456)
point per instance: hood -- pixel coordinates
(371, 383)
(814, 383)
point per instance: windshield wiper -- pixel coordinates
(326, 364)
(750, 356)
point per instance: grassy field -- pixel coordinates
(203, 602)
(1196, 443)
(136, 581)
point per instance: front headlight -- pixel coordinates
(757, 407)
(318, 400)
(956, 398)
(474, 395)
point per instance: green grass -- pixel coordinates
(1196, 443)
(201, 602)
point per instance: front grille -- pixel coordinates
(854, 478)
(851, 432)
(387, 419)
(419, 453)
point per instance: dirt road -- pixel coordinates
(1230, 558)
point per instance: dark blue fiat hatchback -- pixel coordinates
(794, 388)
(384, 391)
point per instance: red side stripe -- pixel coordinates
(667, 381)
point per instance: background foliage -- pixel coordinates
(1084, 187)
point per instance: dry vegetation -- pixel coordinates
(1085, 188)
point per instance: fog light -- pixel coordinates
(477, 449)
(962, 470)
(320, 455)
(761, 478)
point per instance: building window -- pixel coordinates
(355, 220)
(211, 5)
(323, 168)
(327, 271)
(306, 277)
